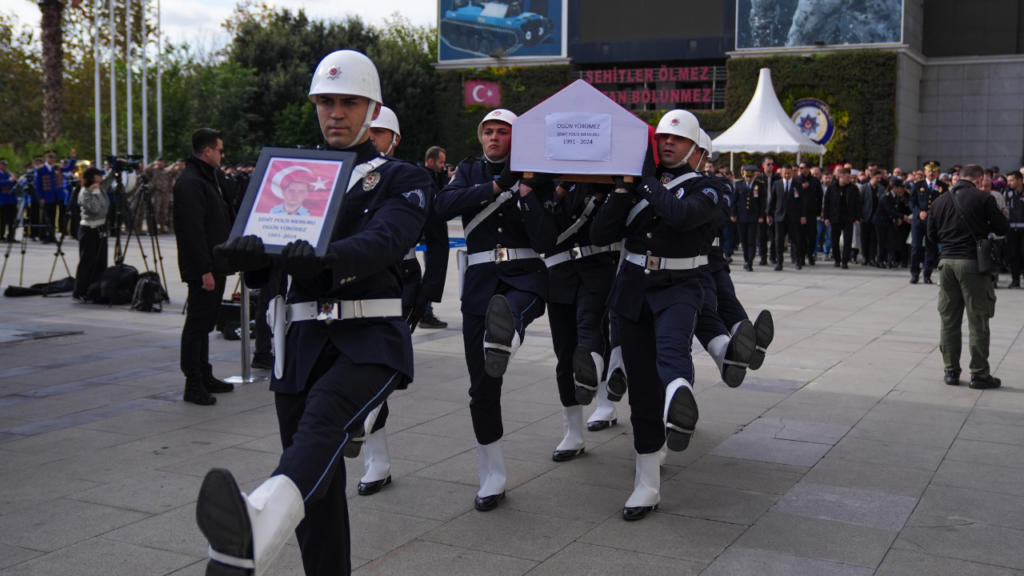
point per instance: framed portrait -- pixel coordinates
(294, 195)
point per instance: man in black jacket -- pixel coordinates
(787, 208)
(810, 187)
(842, 210)
(202, 220)
(955, 222)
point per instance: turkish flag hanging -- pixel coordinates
(483, 93)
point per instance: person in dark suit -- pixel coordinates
(765, 231)
(748, 213)
(842, 210)
(787, 208)
(886, 219)
(506, 284)
(810, 187)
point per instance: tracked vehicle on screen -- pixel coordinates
(489, 29)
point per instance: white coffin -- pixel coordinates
(579, 131)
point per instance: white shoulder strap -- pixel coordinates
(643, 203)
(360, 171)
(577, 224)
(490, 209)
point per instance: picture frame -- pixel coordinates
(294, 194)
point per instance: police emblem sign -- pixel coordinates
(814, 119)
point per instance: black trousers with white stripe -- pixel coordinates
(315, 425)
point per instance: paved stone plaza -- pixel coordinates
(844, 455)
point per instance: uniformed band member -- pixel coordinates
(657, 294)
(922, 251)
(8, 203)
(49, 185)
(347, 347)
(505, 284)
(787, 208)
(748, 212)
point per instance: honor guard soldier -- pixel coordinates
(581, 278)
(505, 282)
(386, 135)
(748, 211)
(347, 347)
(49, 184)
(657, 294)
(923, 252)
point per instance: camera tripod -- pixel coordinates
(27, 191)
(143, 208)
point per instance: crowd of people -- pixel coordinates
(871, 216)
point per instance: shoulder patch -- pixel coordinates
(416, 197)
(711, 193)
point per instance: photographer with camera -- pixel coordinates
(202, 220)
(92, 234)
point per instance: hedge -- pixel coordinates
(859, 87)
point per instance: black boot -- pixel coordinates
(215, 386)
(197, 394)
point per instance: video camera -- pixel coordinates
(127, 163)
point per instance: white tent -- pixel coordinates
(765, 126)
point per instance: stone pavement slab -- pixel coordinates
(845, 454)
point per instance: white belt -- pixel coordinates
(649, 262)
(411, 255)
(329, 309)
(501, 255)
(580, 252)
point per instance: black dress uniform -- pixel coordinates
(922, 251)
(1015, 238)
(515, 234)
(336, 372)
(581, 277)
(657, 295)
(786, 207)
(426, 284)
(747, 209)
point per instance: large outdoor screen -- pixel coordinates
(790, 23)
(516, 29)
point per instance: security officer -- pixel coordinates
(886, 220)
(347, 347)
(581, 278)
(505, 284)
(8, 203)
(1015, 238)
(921, 197)
(49, 184)
(811, 188)
(657, 294)
(747, 213)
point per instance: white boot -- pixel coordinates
(572, 444)
(492, 475)
(716, 349)
(377, 462)
(274, 510)
(355, 444)
(606, 412)
(663, 454)
(646, 487)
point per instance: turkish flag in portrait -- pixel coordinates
(482, 92)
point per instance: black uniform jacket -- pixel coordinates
(956, 237)
(675, 224)
(833, 209)
(812, 189)
(521, 222)
(751, 199)
(435, 237)
(785, 204)
(713, 250)
(596, 272)
(202, 220)
(886, 211)
(921, 196)
(373, 232)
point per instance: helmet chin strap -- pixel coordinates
(392, 147)
(685, 158)
(366, 124)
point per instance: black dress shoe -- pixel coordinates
(799, 267)
(952, 378)
(637, 513)
(845, 266)
(598, 425)
(810, 261)
(778, 267)
(368, 488)
(836, 264)
(197, 394)
(263, 361)
(763, 262)
(487, 503)
(985, 382)
(928, 280)
(566, 455)
(913, 280)
(1014, 284)
(215, 386)
(431, 321)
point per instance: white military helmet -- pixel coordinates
(683, 124)
(705, 142)
(386, 119)
(350, 73)
(499, 115)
